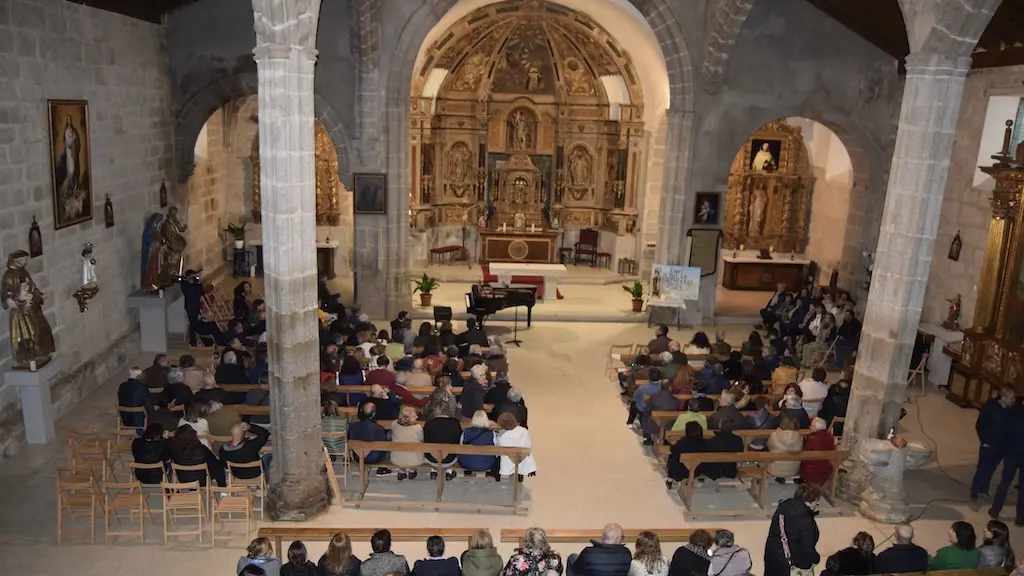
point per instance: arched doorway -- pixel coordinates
(784, 214)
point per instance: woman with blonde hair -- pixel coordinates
(479, 434)
(535, 557)
(338, 560)
(648, 559)
(481, 558)
(195, 417)
(260, 553)
(407, 429)
(786, 438)
(682, 382)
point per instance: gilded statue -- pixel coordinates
(763, 160)
(579, 167)
(534, 81)
(520, 131)
(30, 334)
(458, 163)
(758, 209)
(164, 243)
(577, 81)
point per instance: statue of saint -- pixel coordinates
(164, 258)
(763, 160)
(953, 316)
(458, 163)
(31, 337)
(758, 207)
(656, 284)
(90, 285)
(519, 220)
(579, 167)
(520, 131)
(533, 79)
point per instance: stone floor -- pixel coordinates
(592, 470)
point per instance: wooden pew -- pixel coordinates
(343, 389)
(515, 536)
(759, 475)
(348, 411)
(320, 534)
(439, 452)
(665, 419)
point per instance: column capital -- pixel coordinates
(922, 63)
(283, 52)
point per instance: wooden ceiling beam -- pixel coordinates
(998, 58)
(863, 21)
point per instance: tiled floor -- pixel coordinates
(592, 470)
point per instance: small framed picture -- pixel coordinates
(706, 208)
(765, 155)
(370, 193)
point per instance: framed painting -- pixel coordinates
(70, 162)
(370, 193)
(765, 155)
(706, 207)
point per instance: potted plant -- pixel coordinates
(425, 286)
(238, 232)
(637, 292)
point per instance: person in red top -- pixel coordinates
(381, 375)
(817, 472)
(393, 385)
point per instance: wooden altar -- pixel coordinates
(992, 353)
(757, 274)
(539, 247)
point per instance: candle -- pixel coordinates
(741, 247)
(161, 293)
(32, 365)
(252, 271)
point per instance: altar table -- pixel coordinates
(325, 253)
(536, 247)
(939, 364)
(752, 273)
(550, 272)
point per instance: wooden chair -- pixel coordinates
(77, 500)
(259, 482)
(182, 501)
(615, 354)
(586, 248)
(90, 452)
(335, 456)
(123, 501)
(148, 489)
(232, 500)
(177, 469)
(119, 450)
(918, 374)
(75, 474)
(118, 409)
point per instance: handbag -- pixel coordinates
(793, 570)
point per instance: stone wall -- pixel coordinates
(651, 200)
(206, 203)
(51, 49)
(965, 208)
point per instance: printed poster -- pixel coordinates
(673, 285)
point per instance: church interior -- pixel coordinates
(291, 213)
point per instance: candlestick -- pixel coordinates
(32, 365)
(741, 247)
(161, 293)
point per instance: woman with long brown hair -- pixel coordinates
(339, 560)
(648, 560)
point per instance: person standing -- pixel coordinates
(994, 428)
(793, 535)
(1012, 464)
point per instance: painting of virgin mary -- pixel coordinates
(70, 163)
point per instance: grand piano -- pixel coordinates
(483, 303)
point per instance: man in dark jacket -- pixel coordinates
(155, 376)
(243, 450)
(660, 342)
(474, 389)
(133, 393)
(609, 557)
(496, 394)
(903, 556)
(367, 430)
(514, 404)
(723, 441)
(994, 426)
(727, 416)
(793, 517)
(1012, 464)
(473, 335)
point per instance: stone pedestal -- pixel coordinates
(36, 404)
(885, 500)
(157, 316)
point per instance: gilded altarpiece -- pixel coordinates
(521, 131)
(769, 200)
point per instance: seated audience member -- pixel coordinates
(329, 301)
(474, 357)
(847, 338)
(692, 414)
(155, 375)
(961, 554)
(817, 472)
(667, 365)
(496, 360)
(235, 345)
(260, 366)
(784, 375)
(699, 345)
(729, 559)
(499, 391)
(407, 429)
(792, 323)
(770, 313)
(176, 393)
(133, 393)
(474, 334)
(717, 382)
(761, 419)
(332, 422)
(642, 393)
(382, 375)
(385, 405)
(726, 416)
(512, 435)
(535, 557)
(787, 439)
(514, 404)
(609, 557)
(425, 337)
(259, 396)
(692, 441)
(298, 561)
(481, 433)
(742, 391)
(442, 427)
(662, 400)
(814, 390)
(682, 382)
(260, 553)
(639, 370)
(903, 556)
(835, 404)
(723, 441)
(692, 558)
(220, 420)
(195, 417)
(793, 406)
(151, 448)
(211, 392)
(242, 449)
(418, 376)
(256, 323)
(720, 347)
(185, 449)
(995, 551)
(398, 325)
(823, 335)
(339, 560)
(243, 297)
(473, 391)
(350, 373)
(660, 342)
(442, 395)
(678, 357)
(382, 560)
(481, 557)
(230, 371)
(752, 345)
(793, 535)
(857, 559)
(403, 394)
(365, 429)
(436, 564)
(191, 374)
(761, 368)
(701, 396)
(236, 331)
(732, 368)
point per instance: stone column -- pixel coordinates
(913, 203)
(285, 59)
(671, 220)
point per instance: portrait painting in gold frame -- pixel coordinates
(70, 162)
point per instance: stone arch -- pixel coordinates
(194, 114)
(725, 21)
(954, 28)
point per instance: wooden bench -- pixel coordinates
(448, 253)
(665, 418)
(773, 399)
(351, 412)
(342, 389)
(515, 536)
(439, 452)
(320, 534)
(759, 474)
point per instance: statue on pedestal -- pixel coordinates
(885, 500)
(163, 243)
(90, 286)
(31, 337)
(953, 316)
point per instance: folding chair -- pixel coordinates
(335, 456)
(232, 500)
(119, 450)
(77, 500)
(918, 374)
(177, 469)
(259, 482)
(148, 488)
(125, 497)
(182, 501)
(118, 409)
(91, 453)
(615, 354)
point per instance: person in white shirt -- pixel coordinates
(196, 418)
(814, 391)
(511, 434)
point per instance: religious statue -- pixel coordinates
(758, 209)
(481, 222)
(519, 131)
(763, 160)
(885, 500)
(90, 286)
(576, 79)
(519, 221)
(955, 246)
(534, 81)
(953, 316)
(163, 243)
(35, 239)
(579, 167)
(656, 284)
(458, 163)
(30, 334)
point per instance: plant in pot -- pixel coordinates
(425, 286)
(238, 233)
(636, 290)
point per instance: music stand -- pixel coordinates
(442, 314)
(515, 332)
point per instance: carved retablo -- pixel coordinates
(328, 185)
